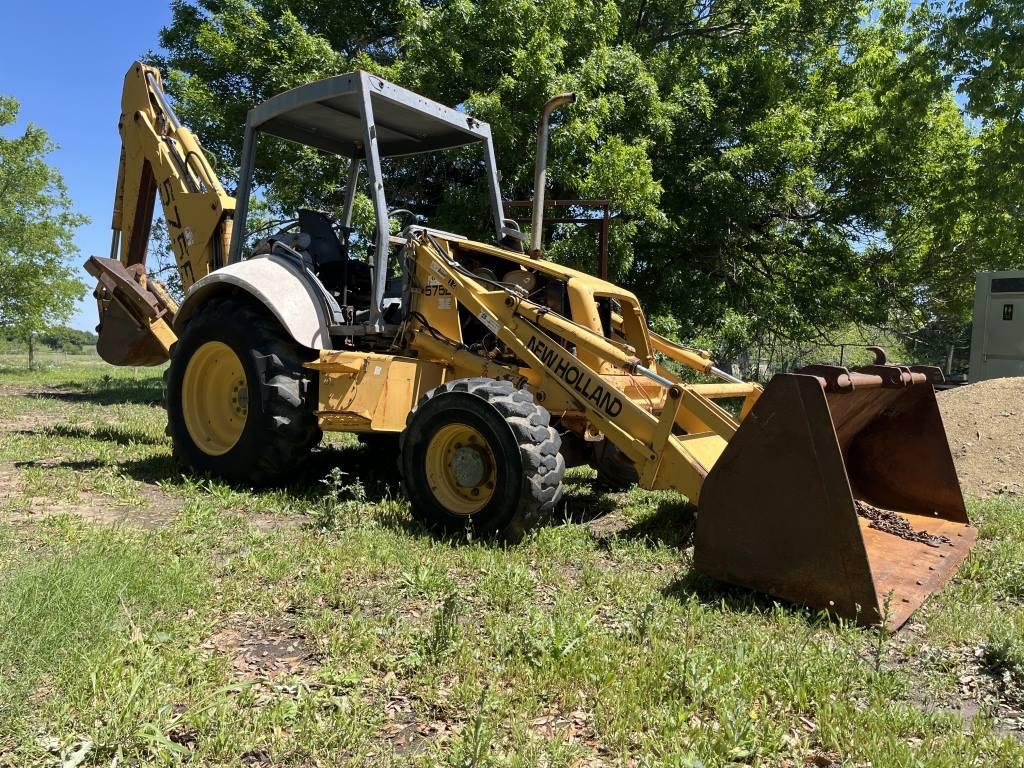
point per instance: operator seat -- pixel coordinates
(324, 245)
(331, 258)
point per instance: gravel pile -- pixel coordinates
(985, 427)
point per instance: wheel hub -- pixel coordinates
(468, 466)
(461, 469)
(215, 398)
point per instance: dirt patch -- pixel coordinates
(978, 695)
(265, 523)
(406, 731)
(985, 427)
(609, 524)
(19, 422)
(262, 651)
(22, 390)
(157, 509)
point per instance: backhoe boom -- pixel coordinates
(159, 157)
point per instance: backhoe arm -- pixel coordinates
(159, 156)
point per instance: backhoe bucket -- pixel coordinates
(129, 304)
(124, 341)
(838, 491)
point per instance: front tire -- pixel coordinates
(239, 404)
(481, 454)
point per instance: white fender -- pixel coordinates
(275, 282)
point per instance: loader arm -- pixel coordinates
(159, 156)
(663, 460)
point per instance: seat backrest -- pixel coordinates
(324, 245)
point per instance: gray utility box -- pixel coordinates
(997, 341)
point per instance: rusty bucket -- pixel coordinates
(128, 303)
(838, 491)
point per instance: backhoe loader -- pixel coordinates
(493, 369)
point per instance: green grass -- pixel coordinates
(320, 625)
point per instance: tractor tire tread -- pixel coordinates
(539, 447)
(289, 429)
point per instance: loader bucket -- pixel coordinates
(838, 491)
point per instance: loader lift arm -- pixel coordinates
(159, 156)
(664, 461)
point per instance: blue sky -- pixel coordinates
(65, 61)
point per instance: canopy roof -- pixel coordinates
(326, 114)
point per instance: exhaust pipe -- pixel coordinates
(540, 173)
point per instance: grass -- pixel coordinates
(319, 625)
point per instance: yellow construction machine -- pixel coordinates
(494, 369)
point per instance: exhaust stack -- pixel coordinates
(540, 173)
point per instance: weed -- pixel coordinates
(426, 579)
(473, 749)
(638, 629)
(1003, 657)
(882, 632)
(341, 504)
(550, 638)
(507, 585)
(444, 634)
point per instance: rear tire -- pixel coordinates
(239, 404)
(480, 454)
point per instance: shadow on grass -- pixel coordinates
(145, 392)
(575, 477)
(374, 465)
(305, 488)
(730, 598)
(672, 524)
(155, 469)
(106, 434)
(377, 471)
(694, 585)
(583, 507)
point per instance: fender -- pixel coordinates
(276, 283)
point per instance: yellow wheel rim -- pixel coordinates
(215, 398)
(460, 469)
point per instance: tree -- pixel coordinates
(792, 162)
(164, 263)
(63, 338)
(38, 286)
(980, 44)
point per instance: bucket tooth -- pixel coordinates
(778, 511)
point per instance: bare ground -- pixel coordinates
(985, 428)
(157, 510)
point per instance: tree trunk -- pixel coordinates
(31, 352)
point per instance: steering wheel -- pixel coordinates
(405, 217)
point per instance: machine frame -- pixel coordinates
(365, 118)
